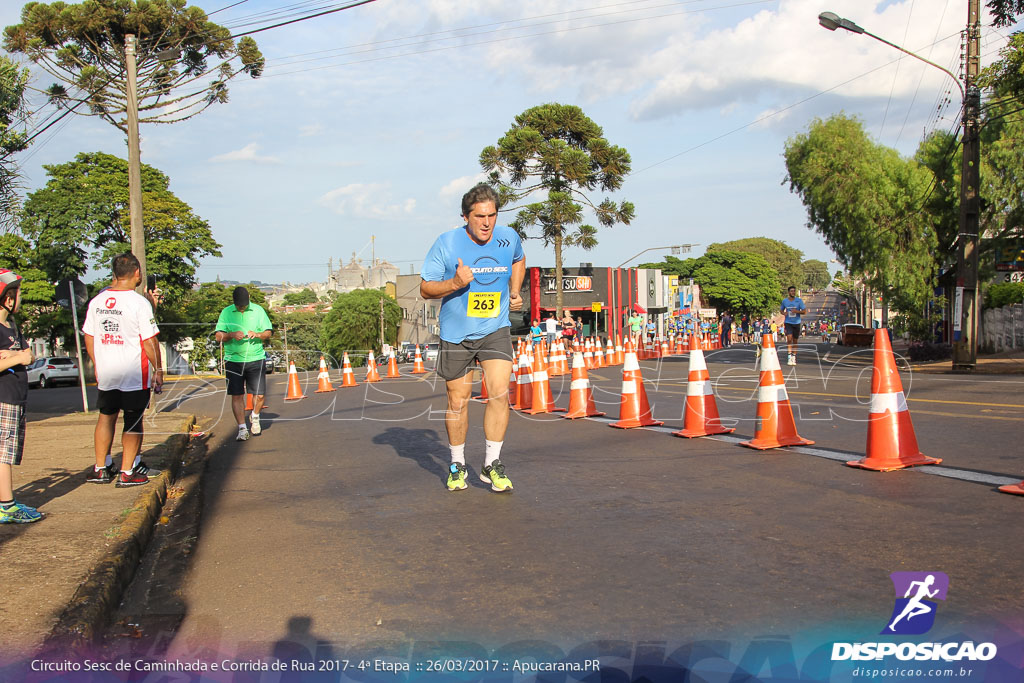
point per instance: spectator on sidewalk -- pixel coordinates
(243, 327)
(551, 327)
(536, 333)
(726, 330)
(120, 338)
(14, 357)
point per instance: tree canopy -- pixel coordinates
(353, 323)
(13, 138)
(556, 150)
(82, 46)
(729, 280)
(306, 296)
(785, 259)
(80, 218)
(815, 274)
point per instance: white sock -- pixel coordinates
(242, 426)
(254, 416)
(458, 453)
(138, 459)
(110, 460)
(492, 451)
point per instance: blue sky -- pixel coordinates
(370, 121)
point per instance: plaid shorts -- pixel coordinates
(12, 433)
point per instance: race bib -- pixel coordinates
(484, 304)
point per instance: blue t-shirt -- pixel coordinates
(790, 308)
(491, 264)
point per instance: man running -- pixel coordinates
(793, 307)
(243, 327)
(477, 271)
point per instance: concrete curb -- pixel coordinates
(100, 593)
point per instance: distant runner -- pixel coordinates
(477, 270)
(793, 307)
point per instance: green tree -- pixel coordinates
(304, 342)
(783, 258)
(1005, 11)
(81, 217)
(199, 310)
(82, 46)
(39, 316)
(13, 138)
(306, 296)
(815, 274)
(867, 202)
(353, 323)
(729, 280)
(556, 149)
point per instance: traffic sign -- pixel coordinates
(596, 307)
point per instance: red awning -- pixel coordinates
(640, 309)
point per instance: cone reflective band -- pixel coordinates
(392, 366)
(581, 398)
(323, 378)
(371, 369)
(634, 411)
(892, 444)
(417, 365)
(348, 378)
(294, 390)
(774, 424)
(700, 410)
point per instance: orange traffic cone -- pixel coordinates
(392, 367)
(554, 367)
(634, 411)
(371, 369)
(598, 354)
(664, 348)
(294, 390)
(609, 354)
(248, 402)
(541, 400)
(775, 424)
(620, 355)
(563, 361)
(513, 388)
(348, 378)
(482, 396)
(701, 412)
(524, 380)
(588, 355)
(892, 444)
(681, 346)
(417, 364)
(1013, 488)
(323, 379)
(581, 397)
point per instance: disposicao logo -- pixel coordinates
(914, 614)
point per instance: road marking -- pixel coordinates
(846, 456)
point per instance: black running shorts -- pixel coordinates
(131, 404)
(793, 330)
(455, 360)
(251, 375)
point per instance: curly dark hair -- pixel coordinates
(481, 192)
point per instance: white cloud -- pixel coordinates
(248, 153)
(459, 186)
(367, 200)
(311, 130)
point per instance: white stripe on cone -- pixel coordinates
(770, 360)
(631, 363)
(772, 394)
(579, 384)
(893, 403)
(629, 386)
(698, 387)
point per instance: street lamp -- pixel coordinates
(965, 303)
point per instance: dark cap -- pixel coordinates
(240, 296)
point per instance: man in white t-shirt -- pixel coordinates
(120, 337)
(551, 328)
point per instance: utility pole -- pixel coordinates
(965, 301)
(134, 160)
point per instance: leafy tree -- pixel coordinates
(1005, 11)
(39, 316)
(13, 138)
(867, 202)
(306, 296)
(1003, 294)
(815, 274)
(729, 280)
(197, 315)
(303, 337)
(783, 258)
(82, 47)
(556, 149)
(81, 217)
(353, 323)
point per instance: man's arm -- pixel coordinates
(152, 350)
(515, 283)
(438, 289)
(89, 342)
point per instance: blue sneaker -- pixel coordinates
(19, 514)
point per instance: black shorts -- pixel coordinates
(131, 403)
(793, 330)
(250, 375)
(455, 360)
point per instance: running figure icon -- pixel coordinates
(915, 607)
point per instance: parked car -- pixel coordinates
(852, 334)
(46, 372)
(431, 351)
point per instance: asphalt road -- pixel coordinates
(334, 530)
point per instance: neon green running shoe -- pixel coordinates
(457, 477)
(494, 475)
(19, 514)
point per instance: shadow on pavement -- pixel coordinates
(423, 446)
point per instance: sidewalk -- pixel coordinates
(69, 566)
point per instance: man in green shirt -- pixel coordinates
(242, 328)
(636, 324)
